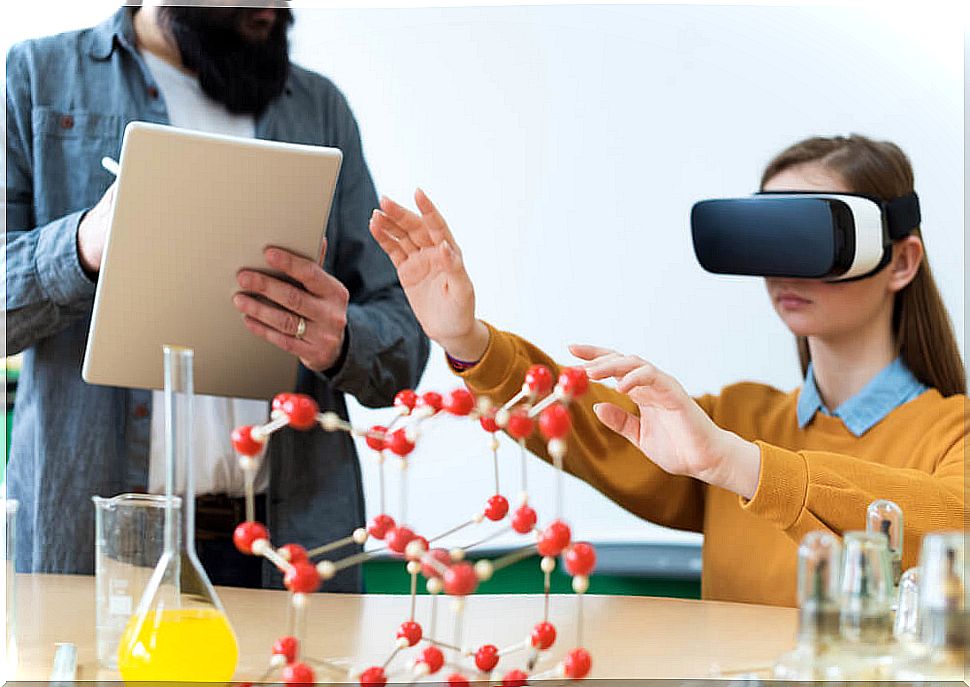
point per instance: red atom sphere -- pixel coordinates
(286, 647)
(298, 674)
(488, 423)
(280, 399)
(379, 525)
(432, 400)
(580, 559)
(373, 677)
(520, 425)
(497, 508)
(410, 631)
(486, 658)
(406, 400)
(543, 636)
(424, 547)
(458, 680)
(301, 411)
(554, 539)
(515, 678)
(577, 664)
(294, 553)
(573, 381)
(554, 422)
(524, 519)
(375, 437)
(539, 380)
(246, 533)
(398, 539)
(430, 570)
(433, 658)
(243, 442)
(302, 578)
(460, 402)
(399, 443)
(460, 580)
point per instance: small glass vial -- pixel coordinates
(819, 573)
(866, 652)
(906, 622)
(886, 517)
(943, 610)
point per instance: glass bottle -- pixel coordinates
(819, 573)
(866, 651)
(179, 631)
(886, 517)
(943, 609)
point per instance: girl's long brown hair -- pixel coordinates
(922, 331)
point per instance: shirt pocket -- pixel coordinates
(68, 147)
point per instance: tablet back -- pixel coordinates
(192, 209)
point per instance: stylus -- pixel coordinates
(110, 165)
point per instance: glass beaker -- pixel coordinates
(179, 631)
(129, 535)
(10, 598)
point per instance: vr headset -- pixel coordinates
(807, 235)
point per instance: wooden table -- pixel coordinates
(628, 637)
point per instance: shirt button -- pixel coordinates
(152, 92)
(141, 410)
(67, 122)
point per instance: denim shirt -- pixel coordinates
(68, 100)
(891, 388)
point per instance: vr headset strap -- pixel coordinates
(902, 215)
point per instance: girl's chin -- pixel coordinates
(800, 326)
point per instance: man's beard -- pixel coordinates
(242, 74)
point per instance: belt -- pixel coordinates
(216, 515)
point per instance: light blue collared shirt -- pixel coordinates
(891, 388)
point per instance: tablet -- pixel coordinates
(191, 210)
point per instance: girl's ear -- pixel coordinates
(907, 257)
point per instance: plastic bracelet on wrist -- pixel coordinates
(460, 365)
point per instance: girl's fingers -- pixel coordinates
(588, 351)
(435, 223)
(408, 220)
(620, 421)
(388, 244)
(395, 231)
(646, 375)
(614, 366)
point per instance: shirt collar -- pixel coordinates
(893, 386)
(118, 26)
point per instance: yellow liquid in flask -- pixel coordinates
(179, 645)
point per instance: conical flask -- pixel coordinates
(179, 631)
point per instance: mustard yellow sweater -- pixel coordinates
(819, 477)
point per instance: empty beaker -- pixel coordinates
(129, 535)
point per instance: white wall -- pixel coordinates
(566, 146)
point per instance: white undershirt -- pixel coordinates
(216, 468)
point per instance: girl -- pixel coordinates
(880, 414)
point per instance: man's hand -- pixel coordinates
(321, 305)
(93, 231)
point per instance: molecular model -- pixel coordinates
(539, 404)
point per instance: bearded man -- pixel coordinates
(347, 322)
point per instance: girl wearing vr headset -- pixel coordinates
(880, 415)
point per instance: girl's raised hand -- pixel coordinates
(431, 271)
(671, 430)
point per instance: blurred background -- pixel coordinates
(566, 145)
